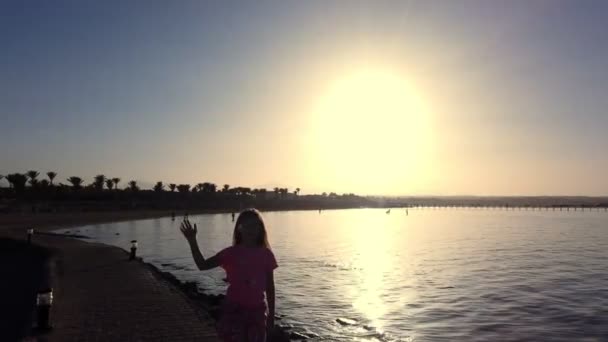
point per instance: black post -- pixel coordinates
(30, 232)
(133, 250)
(44, 301)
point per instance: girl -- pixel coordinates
(249, 265)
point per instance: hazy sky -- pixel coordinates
(398, 97)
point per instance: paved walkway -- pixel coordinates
(101, 296)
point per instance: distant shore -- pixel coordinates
(20, 218)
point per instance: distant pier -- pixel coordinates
(524, 207)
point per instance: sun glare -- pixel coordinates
(372, 134)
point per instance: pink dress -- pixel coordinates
(243, 316)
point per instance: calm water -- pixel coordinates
(433, 275)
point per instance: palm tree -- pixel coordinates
(159, 186)
(209, 187)
(133, 186)
(98, 182)
(51, 176)
(17, 181)
(109, 184)
(284, 192)
(172, 186)
(32, 176)
(226, 188)
(297, 192)
(183, 187)
(76, 182)
(116, 180)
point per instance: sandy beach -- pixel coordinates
(98, 293)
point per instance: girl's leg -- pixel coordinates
(232, 325)
(256, 329)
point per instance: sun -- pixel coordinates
(371, 133)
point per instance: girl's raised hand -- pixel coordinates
(188, 230)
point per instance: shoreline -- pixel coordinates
(13, 227)
(45, 222)
(209, 303)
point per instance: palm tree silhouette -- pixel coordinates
(51, 176)
(297, 192)
(32, 176)
(98, 182)
(183, 187)
(76, 182)
(17, 181)
(172, 186)
(226, 188)
(133, 185)
(109, 184)
(116, 180)
(284, 192)
(159, 186)
(209, 187)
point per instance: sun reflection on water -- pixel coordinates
(373, 264)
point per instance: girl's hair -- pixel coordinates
(251, 216)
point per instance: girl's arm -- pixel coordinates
(270, 300)
(199, 259)
(189, 232)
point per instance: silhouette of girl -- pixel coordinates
(247, 315)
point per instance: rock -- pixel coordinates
(346, 321)
(215, 300)
(190, 286)
(278, 335)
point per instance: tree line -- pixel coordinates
(30, 181)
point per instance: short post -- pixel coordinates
(44, 301)
(133, 249)
(30, 232)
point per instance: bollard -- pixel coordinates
(30, 232)
(133, 249)
(44, 301)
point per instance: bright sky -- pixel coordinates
(397, 98)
